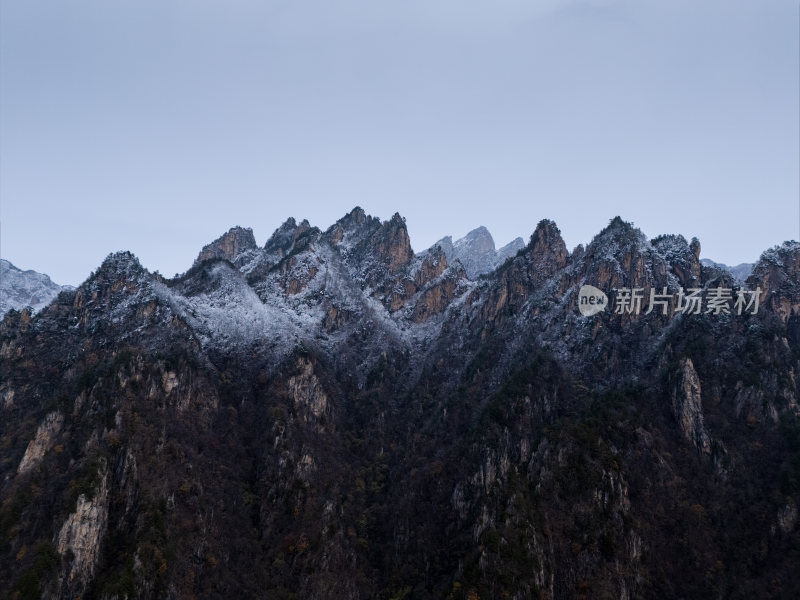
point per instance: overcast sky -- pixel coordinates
(155, 125)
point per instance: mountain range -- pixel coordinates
(20, 289)
(331, 415)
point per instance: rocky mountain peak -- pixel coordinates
(617, 223)
(105, 295)
(680, 256)
(285, 237)
(510, 249)
(120, 274)
(392, 243)
(618, 236)
(787, 256)
(120, 264)
(476, 251)
(671, 245)
(547, 249)
(352, 228)
(777, 273)
(19, 289)
(229, 246)
(355, 217)
(619, 230)
(547, 235)
(477, 242)
(618, 256)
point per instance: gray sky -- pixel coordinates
(155, 125)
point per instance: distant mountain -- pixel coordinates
(476, 251)
(740, 272)
(333, 416)
(19, 288)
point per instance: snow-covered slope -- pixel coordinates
(19, 289)
(476, 251)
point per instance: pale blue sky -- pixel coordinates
(155, 125)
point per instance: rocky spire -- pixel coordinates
(392, 244)
(285, 237)
(228, 246)
(547, 250)
(687, 407)
(618, 255)
(354, 226)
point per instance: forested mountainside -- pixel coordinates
(332, 415)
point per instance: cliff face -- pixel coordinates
(333, 416)
(776, 274)
(687, 406)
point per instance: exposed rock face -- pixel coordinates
(687, 406)
(435, 298)
(547, 251)
(229, 246)
(81, 535)
(682, 259)
(426, 286)
(297, 274)
(776, 273)
(7, 397)
(169, 381)
(45, 439)
(308, 396)
(352, 225)
(392, 244)
(433, 265)
(522, 278)
(787, 517)
(19, 289)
